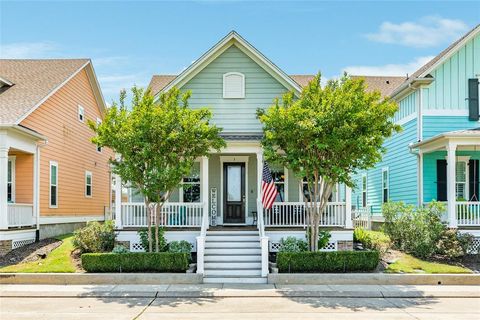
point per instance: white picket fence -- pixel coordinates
(362, 218)
(468, 213)
(173, 214)
(293, 214)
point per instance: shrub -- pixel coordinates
(120, 249)
(182, 246)
(454, 244)
(95, 237)
(135, 262)
(323, 238)
(333, 261)
(162, 242)
(374, 240)
(292, 244)
(414, 230)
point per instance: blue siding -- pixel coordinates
(406, 107)
(234, 115)
(434, 125)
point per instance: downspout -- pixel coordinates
(419, 155)
(37, 188)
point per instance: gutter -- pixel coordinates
(409, 86)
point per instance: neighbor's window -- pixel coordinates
(461, 181)
(81, 114)
(385, 185)
(364, 190)
(53, 184)
(233, 85)
(11, 180)
(88, 184)
(278, 175)
(99, 121)
(190, 190)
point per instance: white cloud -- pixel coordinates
(113, 83)
(428, 32)
(400, 69)
(27, 50)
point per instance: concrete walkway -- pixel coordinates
(246, 302)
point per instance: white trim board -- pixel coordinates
(70, 219)
(445, 112)
(233, 159)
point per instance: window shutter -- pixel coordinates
(441, 180)
(473, 179)
(473, 111)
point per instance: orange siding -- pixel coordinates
(23, 176)
(70, 146)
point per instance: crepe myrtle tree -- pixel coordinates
(325, 136)
(156, 142)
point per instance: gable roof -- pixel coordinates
(384, 84)
(34, 81)
(233, 38)
(422, 75)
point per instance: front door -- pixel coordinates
(234, 193)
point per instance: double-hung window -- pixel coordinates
(99, 121)
(11, 180)
(461, 181)
(81, 114)
(53, 184)
(88, 184)
(279, 179)
(364, 190)
(190, 191)
(385, 185)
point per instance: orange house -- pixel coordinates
(52, 177)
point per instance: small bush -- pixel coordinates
(135, 262)
(182, 246)
(95, 237)
(333, 261)
(374, 240)
(323, 238)
(120, 249)
(292, 244)
(414, 230)
(453, 244)
(162, 242)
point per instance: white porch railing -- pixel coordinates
(362, 218)
(173, 214)
(20, 215)
(468, 213)
(293, 214)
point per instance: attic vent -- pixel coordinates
(388, 81)
(233, 85)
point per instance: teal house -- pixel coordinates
(436, 156)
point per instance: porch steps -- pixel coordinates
(233, 257)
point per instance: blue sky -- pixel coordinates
(129, 41)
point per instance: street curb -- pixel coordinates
(100, 278)
(373, 279)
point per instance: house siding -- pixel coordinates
(23, 176)
(406, 107)
(234, 115)
(435, 125)
(70, 146)
(450, 88)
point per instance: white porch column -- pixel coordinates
(36, 186)
(118, 202)
(259, 184)
(348, 208)
(451, 198)
(204, 189)
(3, 182)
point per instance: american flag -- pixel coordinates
(269, 190)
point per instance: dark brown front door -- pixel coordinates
(234, 193)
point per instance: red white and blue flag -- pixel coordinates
(269, 190)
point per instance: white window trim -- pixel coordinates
(52, 163)
(464, 159)
(81, 111)
(12, 160)
(364, 175)
(180, 189)
(388, 184)
(239, 159)
(88, 173)
(242, 94)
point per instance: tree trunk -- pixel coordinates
(148, 209)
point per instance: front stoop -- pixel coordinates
(233, 257)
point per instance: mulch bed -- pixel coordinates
(30, 252)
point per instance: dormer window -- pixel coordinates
(233, 85)
(81, 114)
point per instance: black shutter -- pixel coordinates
(473, 179)
(473, 112)
(441, 180)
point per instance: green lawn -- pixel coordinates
(410, 264)
(58, 260)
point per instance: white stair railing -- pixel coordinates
(201, 241)
(263, 238)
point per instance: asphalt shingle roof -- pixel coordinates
(32, 80)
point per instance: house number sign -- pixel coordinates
(213, 206)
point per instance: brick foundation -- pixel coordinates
(5, 247)
(344, 245)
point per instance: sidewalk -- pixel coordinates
(240, 290)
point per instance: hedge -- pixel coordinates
(333, 261)
(135, 262)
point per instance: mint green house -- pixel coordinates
(436, 156)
